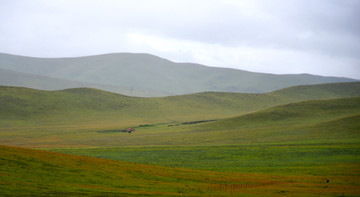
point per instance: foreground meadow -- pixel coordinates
(296, 159)
(27, 172)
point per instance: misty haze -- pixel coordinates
(179, 98)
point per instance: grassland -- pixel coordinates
(288, 143)
(39, 173)
(22, 106)
(326, 121)
(293, 159)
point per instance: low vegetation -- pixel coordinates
(25, 172)
(22, 106)
(301, 141)
(328, 121)
(277, 159)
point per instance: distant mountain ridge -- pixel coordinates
(145, 75)
(20, 79)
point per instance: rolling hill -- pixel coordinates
(288, 142)
(88, 104)
(148, 75)
(290, 149)
(322, 121)
(333, 121)
(75, 116)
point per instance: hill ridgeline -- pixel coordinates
(143, 75)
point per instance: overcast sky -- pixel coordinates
(274, 36)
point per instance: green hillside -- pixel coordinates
(289, 150)
(314, 122)
(299, 141)
(306, 138)
(330, 90)
(148, 75)
(85, 104)
(75, 117)
(300, 112)
(320, 121)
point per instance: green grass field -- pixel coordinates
(39, 173)
(283, 143)
(327, 121)
(294, 159)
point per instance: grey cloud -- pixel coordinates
(320, 26)
(82, 27)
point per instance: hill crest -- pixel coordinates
(148, 75)
(85, 104)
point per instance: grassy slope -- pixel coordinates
(310, 138)
(319, 121)
(147, 72)
(26, 103)
(40, 173)
(331, 90)
(73, 117)
(334, 120)
(304, 144)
